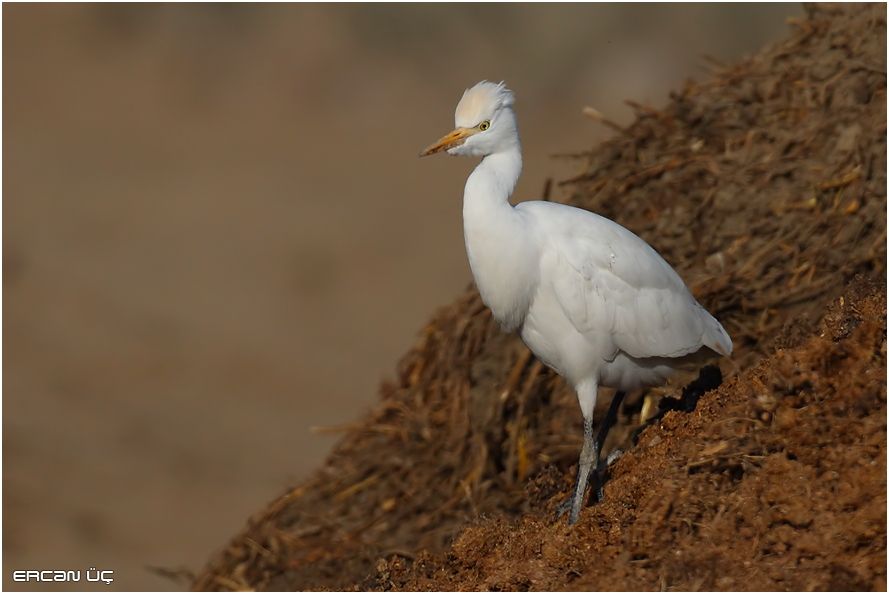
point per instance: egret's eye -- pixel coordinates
(484, 125)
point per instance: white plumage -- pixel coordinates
(590, 299)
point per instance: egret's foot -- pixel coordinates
(597, 483)
(613, 457)
(600, 490)
(572, 505)
(603, 473)
(568, 507)
(564, 507)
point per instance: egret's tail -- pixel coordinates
(717, 338)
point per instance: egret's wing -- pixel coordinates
(607, 279)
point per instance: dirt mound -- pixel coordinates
(775, 481)
(766, 188)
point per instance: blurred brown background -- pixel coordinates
(217, 234)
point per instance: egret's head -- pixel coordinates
(484, 123)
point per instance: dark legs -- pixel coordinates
(604, 428)
(589, 454)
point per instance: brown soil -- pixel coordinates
(766, 188)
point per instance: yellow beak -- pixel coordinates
(450, 140)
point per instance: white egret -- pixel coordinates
(592, 300)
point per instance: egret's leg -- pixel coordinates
(588, 454)
(586, 397)
(604, 428)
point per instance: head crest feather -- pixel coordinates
(481, 101)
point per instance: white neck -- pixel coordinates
(494, 179)
(495, 235)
